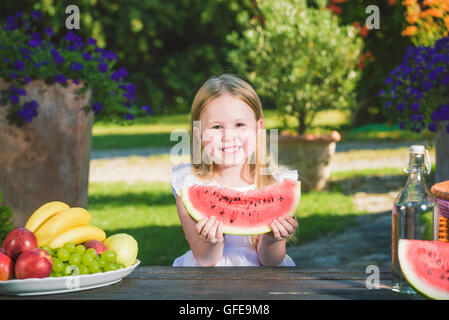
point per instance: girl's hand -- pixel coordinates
(282, 228)
(210, 230)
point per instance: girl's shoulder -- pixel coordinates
(181, 176)
(281, 173)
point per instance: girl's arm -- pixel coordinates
(271, 252)
(205, 237)
(271, 246)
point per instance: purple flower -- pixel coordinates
(75, 81)
(91, 42)
(432, 127)
(415, 107)
(129, 116)
(388, 104)
(56, 56)
(147, 109)
(34, 43)
(121, 73)
(36, 15)
(97, 106)
(49, 31)
(60, 78)
(13, 75)
(443, 112)
(14, 98)
(103, 67)
(86, 56)
(72, 37)
(28, 111)
(400, 107)
(11, 24)
(75, 66)
(19, 65)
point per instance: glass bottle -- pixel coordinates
(413, 212)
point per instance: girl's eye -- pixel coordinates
(217, 126)
(240, 124)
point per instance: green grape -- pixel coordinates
(63, 254)
(92, 252)
(80, 249)
(87, 259)
(94, 267)
(48, 249)
(102, 262)
(109, 255)
(110, 266)
(57, 274)
(69, 246)
(84, 269)
(58, 265)
(67, 269)
(75, 259)
(120, 265)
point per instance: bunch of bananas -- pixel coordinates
(56, 223)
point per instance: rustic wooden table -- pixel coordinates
(247, 283)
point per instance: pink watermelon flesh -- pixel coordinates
(249, 212)
(425, 265)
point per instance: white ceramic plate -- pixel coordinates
(50, 285)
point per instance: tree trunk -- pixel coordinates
(302, 123)
(442, 154)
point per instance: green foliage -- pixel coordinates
(5, 220)
(168, 47)
(299, 57)
(385, 47)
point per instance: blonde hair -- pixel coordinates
(256, 166)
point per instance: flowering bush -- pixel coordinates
(417, 92)
(427, 21)
(26, 55)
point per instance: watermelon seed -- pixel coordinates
(429, 271)
(213, 206)
(231, 221)
(221, 212)
(280, 199)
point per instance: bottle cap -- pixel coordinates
(417, 149)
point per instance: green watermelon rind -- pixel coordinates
(238, 230)
(412, 278)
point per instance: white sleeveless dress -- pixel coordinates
(238, 250)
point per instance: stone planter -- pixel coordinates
(311, 155)
(47, 159)
(442, 154)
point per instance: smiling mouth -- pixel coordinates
(231, 149)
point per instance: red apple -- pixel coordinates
(97, 245)
(33, 263)
(18, 241)
(6, 267)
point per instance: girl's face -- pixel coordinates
(229, 130)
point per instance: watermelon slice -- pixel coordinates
(425, 265)
(243, 213)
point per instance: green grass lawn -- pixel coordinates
(147, 211)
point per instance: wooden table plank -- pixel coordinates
(239, 283)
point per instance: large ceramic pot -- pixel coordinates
(311, 155)
(442, 154)
(47, 159)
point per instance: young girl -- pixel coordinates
(227, 125)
